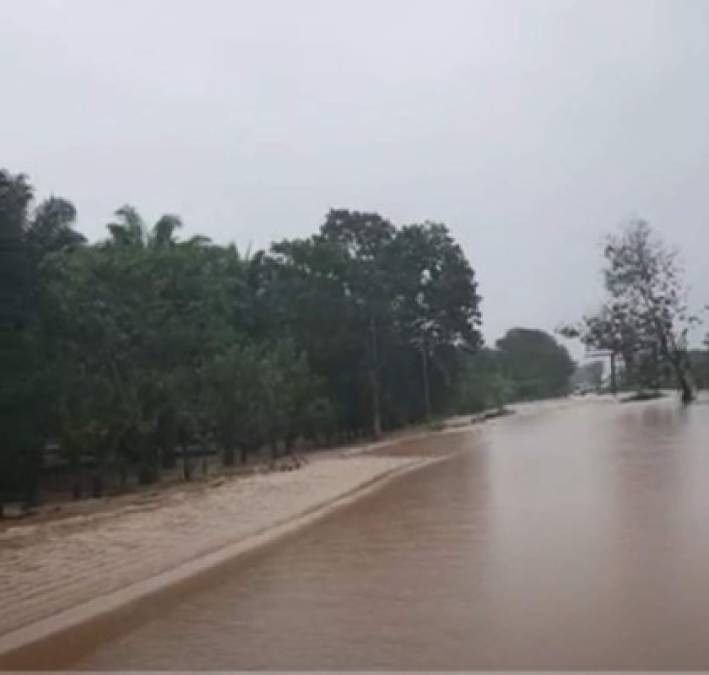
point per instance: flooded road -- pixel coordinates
(570, 537)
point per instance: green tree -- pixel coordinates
(18, 350)
(483, 384)
(643, 274)
(435, 303)
(373, 306)
(51, 228)
(645, 319)
(537, 365)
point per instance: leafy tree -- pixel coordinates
(483, 384)
(363, 239)
(645, 319)
(612, 330)
(435, 301)
(52, 228)
(644, 274)
(537, 365)
(18, 351)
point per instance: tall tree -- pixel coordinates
(52, 228)
(645, 318)
(434, 296)
(643, 275)
(364, 239)
(18, 353)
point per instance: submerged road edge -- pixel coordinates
(23, 637)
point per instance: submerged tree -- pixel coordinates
(645, 319)
(643, 273)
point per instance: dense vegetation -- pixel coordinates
(525, 365)
(130, 350)
(133, 354)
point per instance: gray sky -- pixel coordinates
(530, 128)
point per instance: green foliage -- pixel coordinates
(130, 351)
(536, 364)
(483, 385)
(645, 319)
(18, 345)
(526, 364)
(699, 359)
(365, 299)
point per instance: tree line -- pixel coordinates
(126, 351)
(126, 354)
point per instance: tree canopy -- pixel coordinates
(538, 366)
(128, 351)
(645, 319)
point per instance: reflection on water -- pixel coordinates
(568, 538)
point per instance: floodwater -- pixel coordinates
(570, 536)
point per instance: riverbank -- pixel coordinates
(58, 573)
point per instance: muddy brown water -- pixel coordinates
(572, 536)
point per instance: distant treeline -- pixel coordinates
(125, 352)
(526, 365)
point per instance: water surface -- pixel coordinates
(568, 536)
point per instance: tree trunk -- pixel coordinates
(148, 474)
(373, 367)
(687, 392)
(376, 411)
(676, 358)
(614, 384)
(186, 467)
(229, 455)
(169, 458)
(31, 492)
(97, 486)
(685, 384)
(426, 384)
(76, 487)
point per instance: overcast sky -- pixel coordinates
(529, 128)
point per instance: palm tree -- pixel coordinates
(130, 230)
